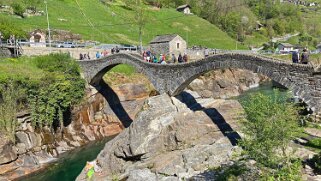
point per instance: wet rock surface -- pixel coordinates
(172, 138)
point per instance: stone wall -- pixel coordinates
(74, 52)
(159, 48)
(173, 46)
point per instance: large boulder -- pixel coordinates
(175, 137)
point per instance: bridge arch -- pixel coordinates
(174, 78)
(94, 70)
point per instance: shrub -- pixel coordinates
(271, 123)
(8, 28)
(55, 89)
(18, 8)
(61, 88)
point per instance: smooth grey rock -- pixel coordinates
(7, 154)
(23, 137)
(30, 161)
(139, 175)
(34, 139)
(21, 148)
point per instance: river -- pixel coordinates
(68, 167)
(70, 164)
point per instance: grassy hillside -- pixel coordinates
(120, 27)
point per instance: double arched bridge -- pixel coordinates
(303, 80)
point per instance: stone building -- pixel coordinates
(285, 47)
(186, 9)
(168, 44)
(37, 38)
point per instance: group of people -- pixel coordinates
(152, 58)
(106, 53)
(303, 58)
(11, 40)
(84, 56)
(102, 54)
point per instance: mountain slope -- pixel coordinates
(113, 23)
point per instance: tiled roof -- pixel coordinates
(163, 38)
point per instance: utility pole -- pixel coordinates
(48, 25)
(237, 37)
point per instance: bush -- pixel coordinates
(62, 63)
(271, 123)
(60, 89)
(8, 28)
(53, 91)
(18, 8)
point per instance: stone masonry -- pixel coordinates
(303, 80)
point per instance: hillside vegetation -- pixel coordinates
(240, 19)
(115, 23)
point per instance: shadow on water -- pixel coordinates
(114, 103)
(212, 113)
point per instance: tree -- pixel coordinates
(270, 124)
(140, 17)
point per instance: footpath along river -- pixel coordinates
(69, 165)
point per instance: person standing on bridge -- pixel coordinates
(305, 57)
(97, 55)
(185, 58)
(81, 57)
(88, 56)
(173, 58)
(180, 58)
(206, 52)
(295, 57)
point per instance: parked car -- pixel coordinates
(66, 45)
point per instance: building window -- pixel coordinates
(177, 45)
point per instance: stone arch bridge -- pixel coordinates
(303, 80)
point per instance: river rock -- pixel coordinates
(21, 148)
(7, 154)
(129, 92)
(22, 137)
(222, 84)
(175, 137)
(139, 175)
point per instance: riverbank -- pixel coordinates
(93, 120)
(69, 164)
